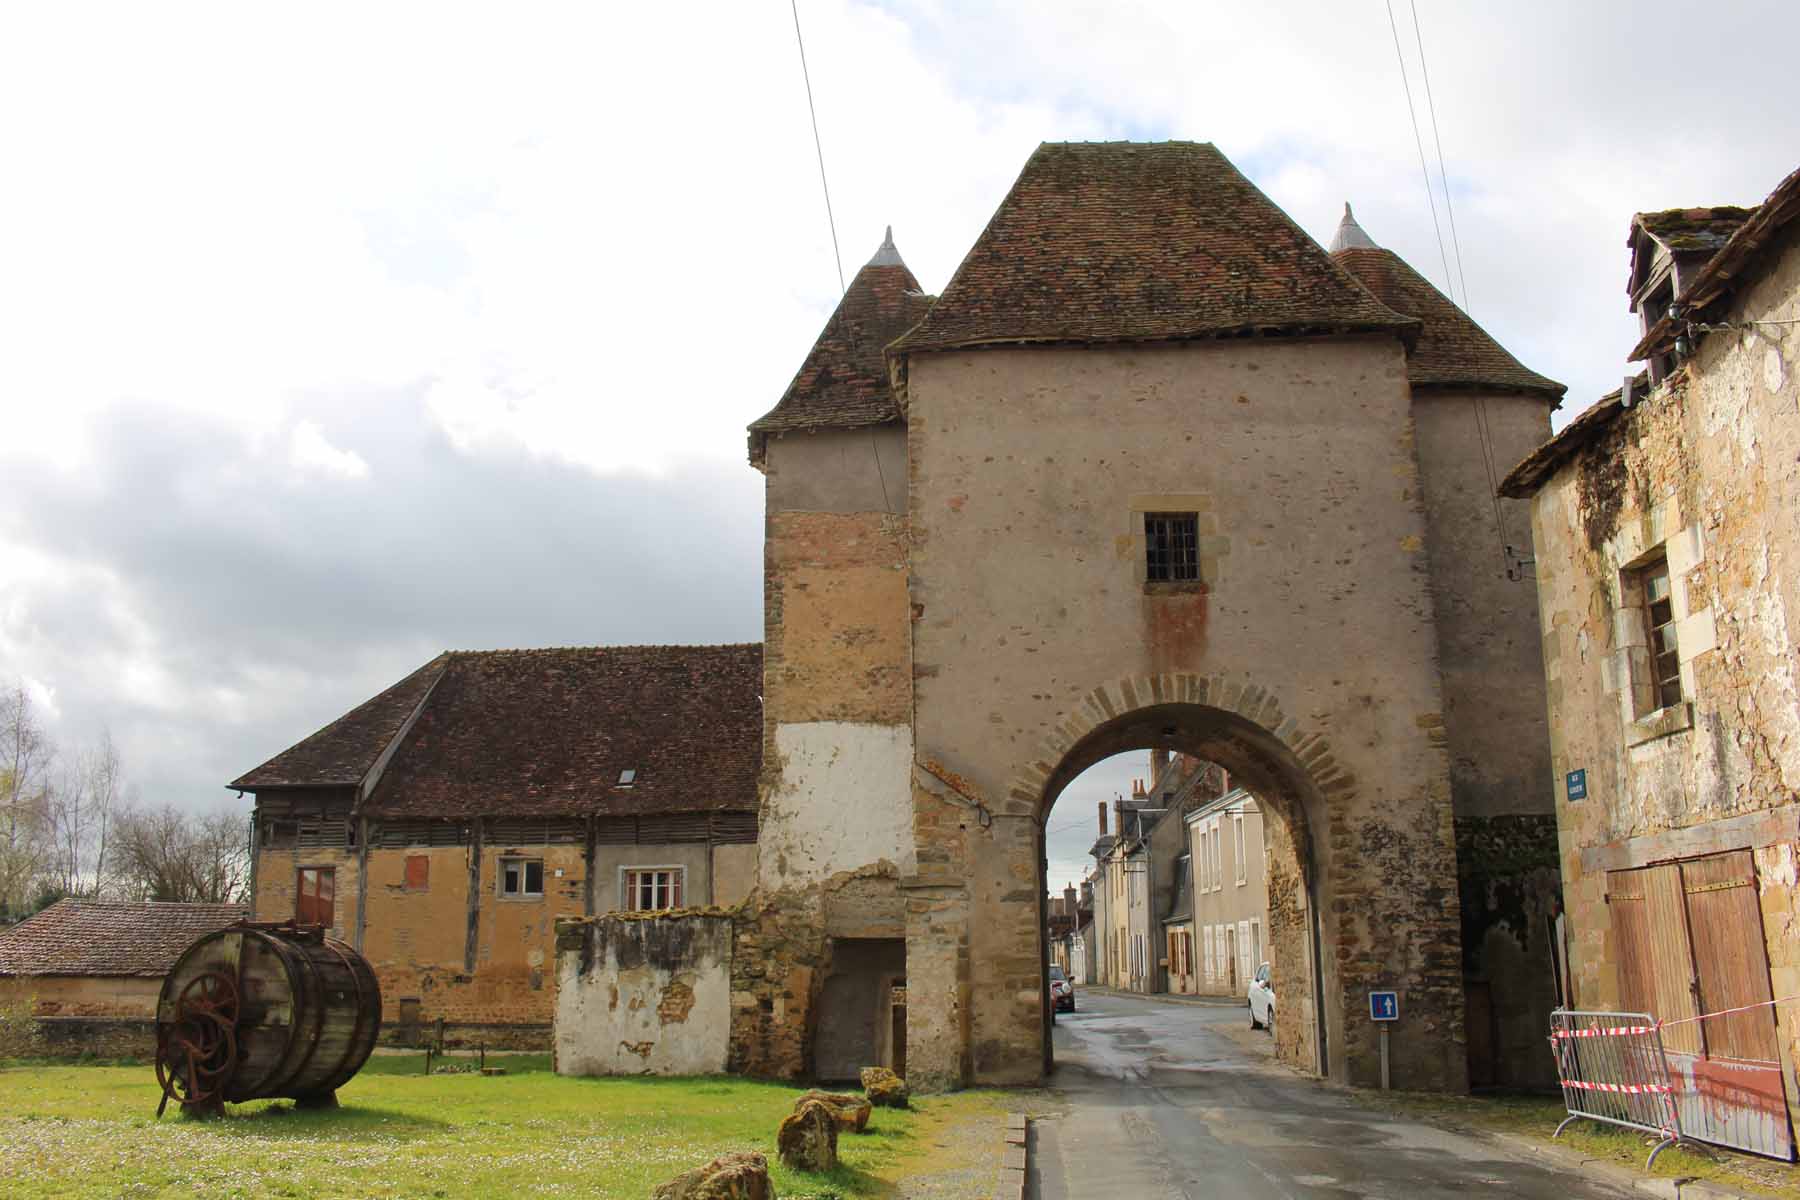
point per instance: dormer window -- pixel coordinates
(1654, 307)
(627, 777)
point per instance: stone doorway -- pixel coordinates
(859, 1024)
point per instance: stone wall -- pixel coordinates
(1494, 719)
(644, 995)
(1701, 473)
(1034, 628)
(836, 830)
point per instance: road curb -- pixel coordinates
(1674, 1188)
(1018, 1158)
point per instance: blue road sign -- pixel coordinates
(1384, 1006)
(1577, 781)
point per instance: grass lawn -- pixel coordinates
(80, 1131)
(1537, 1116)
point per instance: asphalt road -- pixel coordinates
(1168, 1099)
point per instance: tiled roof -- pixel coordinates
(1452, 350)
(843, 384)
(1688, 229)
(1125, 241)
(1523, 481)
(106, 937)
(548, 732)
(342, 753)
(1734, 259)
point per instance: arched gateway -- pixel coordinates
(1155, 471)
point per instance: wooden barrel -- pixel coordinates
(253, 1011)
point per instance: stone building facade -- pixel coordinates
(1666, 526)
(972, 596)
(444, 826)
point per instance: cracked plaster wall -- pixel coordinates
(643, 995)
(1706, 470)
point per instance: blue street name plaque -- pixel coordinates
(1577, 781)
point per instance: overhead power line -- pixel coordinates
(1484, 433)
(836, 254)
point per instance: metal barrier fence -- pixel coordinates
(1613, 1069)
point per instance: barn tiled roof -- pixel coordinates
(548, 732)
(106, 937)
(843, 384)
(1452, 350)
(342, 753)
(1128, 241)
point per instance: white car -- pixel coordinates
(1262, 1000)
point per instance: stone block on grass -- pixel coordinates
(743, 1176)
(851, 1112)
(884, 1088)
(807, 1139)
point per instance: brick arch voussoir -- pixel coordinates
(1256, 702)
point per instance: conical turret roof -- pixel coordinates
(1350, 235)
(1452, 350)
(843, 384)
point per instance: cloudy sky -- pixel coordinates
(334, 335)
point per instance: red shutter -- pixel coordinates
(675, 888)
(314, 896)
(418, 872)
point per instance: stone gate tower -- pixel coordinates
(1155, 470)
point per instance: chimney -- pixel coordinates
(1159, 762)
(1138, 791)
(1103, 818)
(1069, 905)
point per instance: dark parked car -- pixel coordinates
(1062, 992)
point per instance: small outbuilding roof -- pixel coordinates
(604, 730)
(1142, 241)
(110, 937)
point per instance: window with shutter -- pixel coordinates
(315, 896)
(418, 872)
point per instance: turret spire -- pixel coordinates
(888, 255)
(1350, 235)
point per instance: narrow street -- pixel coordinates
(1171, 1099)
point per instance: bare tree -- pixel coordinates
(25, 754)
(102, 780)
(166, 854)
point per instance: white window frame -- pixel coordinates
(1218, 858)
(1237, 824)
(1256, 950)
(1206, 946)
(524, 876)
(625, 873)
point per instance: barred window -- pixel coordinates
(1171, 547)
